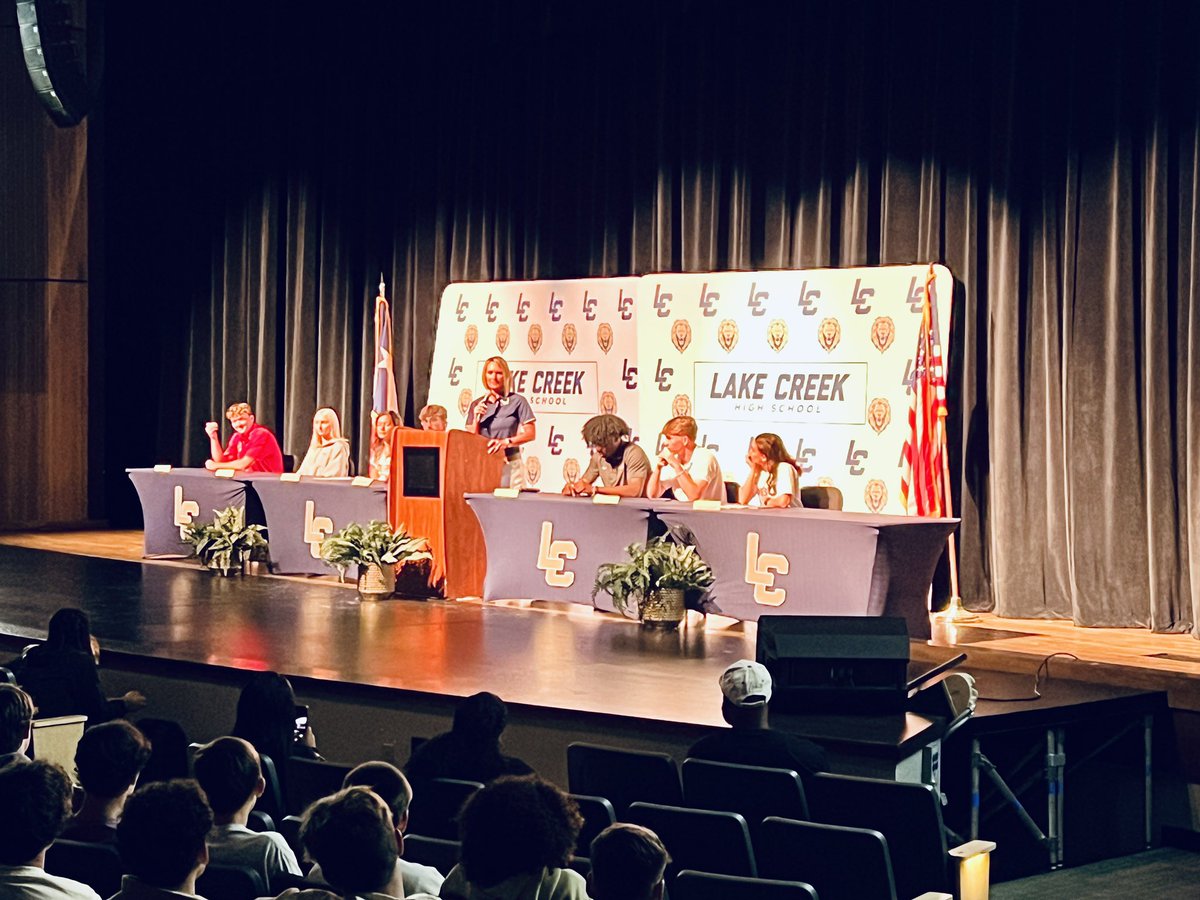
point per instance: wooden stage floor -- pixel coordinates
(545, 655)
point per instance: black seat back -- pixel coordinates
(700, 839)
(840, 863)
(689, 885)
(436, 804)
(436, 852)
(623, 776)
(754, 791)
(96, 865)
(230, 882)
(597, 814)
(309, 780)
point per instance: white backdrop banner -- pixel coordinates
(822, 357)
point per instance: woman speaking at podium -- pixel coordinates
(504, 416)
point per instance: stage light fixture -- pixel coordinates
(52, 38)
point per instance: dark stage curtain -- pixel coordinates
(280, 160)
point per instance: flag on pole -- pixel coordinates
(924, 450)
(384, 397)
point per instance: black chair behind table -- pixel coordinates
(623, 776)
(96, 865)
(437, 852)
(908, 815)
(840, 863)
(700, 839)
(309, 780)
(289, 827)
(820, 496)
(597, 814)
(689, 885)
(754, 791)
(230, 883)
(436, 805)
(731, 491)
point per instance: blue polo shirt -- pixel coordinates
(503, 419)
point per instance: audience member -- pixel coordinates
(108, 759)
(251, 448)
(228, 770)
(393, 788)
(328, 453)
(471, 749)
(35, 800)
(628, 863)
(266, 717)
(518, 835)
(16, 718)
(161, 841)
(749, 741)
(168, 750)
(620, 465)
(351, 837)
(63, 677)
(682, 469)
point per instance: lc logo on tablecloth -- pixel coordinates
(552, 556)
(759, 574)
(315, 528)
(185, 511)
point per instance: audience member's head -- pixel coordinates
(35, 800)
(388, 783)
(109, 758)
(229, 772)
(352, 839)
(16, 714)
(168, 750)
(481, 717)
(70, 630)
(433, 417)
(628, 863)
(746, 688)
(266, 715)
(514, 826)
(162, 831)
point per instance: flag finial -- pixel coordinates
(382, 286)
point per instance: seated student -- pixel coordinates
(393, 788)
(683, 470)
(433, 417)
(16, 724)
(781, 489)
(328, 453)
(228, 770)
(35, 802)
(621, 465)
(161, 841)
(471, 749)
(251, 448)
(518, 835)
(108, 759)
(628, 863)
(379, 462)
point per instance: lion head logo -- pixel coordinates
(883, 332)
(502, 337)
(471, 338)
(571, 470)
(681, 334)
(535, 337)
(681, 405)
(879, 414)
(533, 469)
(608, 403)
(727, 334)
(570, 337)
(604, 336)
(464, 401)
(825, 481)
(829, 334)
(777, 334)
(876, 495)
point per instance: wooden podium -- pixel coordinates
(431, 471)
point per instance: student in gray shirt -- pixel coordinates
(620, 465)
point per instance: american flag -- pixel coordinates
(384, 397)
(924, 450)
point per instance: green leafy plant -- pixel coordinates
(227, 541)
(374, 544)
(658, 564)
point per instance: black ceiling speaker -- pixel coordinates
(53, 38)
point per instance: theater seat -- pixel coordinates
(96, 865)
(689, 885)
(700, 839)
(754, 791)
(436, 852)
(840, 863)
(230, 883)
(436, 804)
(622, 776)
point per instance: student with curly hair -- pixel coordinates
(620, 465)
(518, 835)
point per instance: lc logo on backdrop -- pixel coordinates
(552, 557)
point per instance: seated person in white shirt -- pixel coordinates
(390, 785)
(229, 771)
(683, 470)
(161, 841)
(328, 453)
(774, 479)
(35, 803)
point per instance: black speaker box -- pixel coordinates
(838, 664)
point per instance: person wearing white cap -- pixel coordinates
(749, 741)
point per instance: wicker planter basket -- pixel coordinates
(663, 608)
(376, 582)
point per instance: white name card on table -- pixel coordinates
(361, 481)
(508, 493)
(290, 476)
(706, 504)
(163, 468)
(605, 499)
(223, 473)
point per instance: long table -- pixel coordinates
(175, 499)
(798, 562)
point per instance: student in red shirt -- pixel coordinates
(252, 448)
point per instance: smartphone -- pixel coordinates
(301, 721)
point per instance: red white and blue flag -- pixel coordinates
(384, 396)
(925, 448)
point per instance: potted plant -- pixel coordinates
(376, 549)
(653, 582)
(226, 543)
